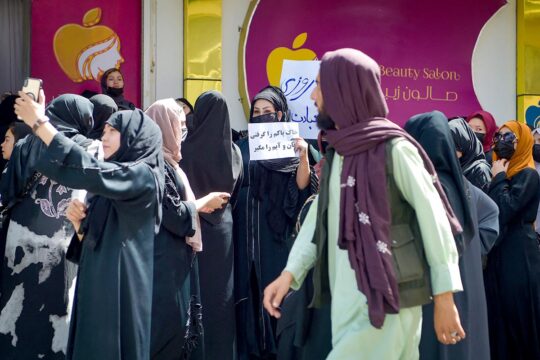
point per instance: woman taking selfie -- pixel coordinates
(113, 297)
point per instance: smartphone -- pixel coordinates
(32, 86)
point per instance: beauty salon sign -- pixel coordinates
(73, 43)
(424, 47)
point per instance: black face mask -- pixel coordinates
(536, 152)
(114, 92)
(480, 136)
(266, 118)
(325, 122)
(504, 149)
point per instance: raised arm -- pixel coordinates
(70, 165)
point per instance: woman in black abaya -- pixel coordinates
(433, 132)
(115, 239)
(213, 163)
(269, 201)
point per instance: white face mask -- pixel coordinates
(184, 134)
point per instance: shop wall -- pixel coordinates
(493, 62)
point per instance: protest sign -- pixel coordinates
(272, 140)
(297, 82)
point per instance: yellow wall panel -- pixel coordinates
(528, 56)
(202, 46)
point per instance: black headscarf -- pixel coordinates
(140, 142)
(271, 179)
(209, 159)
(104, 107)
(186, 101)
(118, 98)
(7, 116)
(431, 130)
(7, 111)
(274, 95)
(71, 115)
(19, 130)
(473, 161)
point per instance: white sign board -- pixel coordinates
(297, 82)
(272, 140)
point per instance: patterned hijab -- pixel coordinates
(473, 160)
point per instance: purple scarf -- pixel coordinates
(350, 84)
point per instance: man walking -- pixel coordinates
(380, 209)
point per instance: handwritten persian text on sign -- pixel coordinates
(297, 82)
(272, 140)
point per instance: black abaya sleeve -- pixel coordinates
(180, 220)
(74, 250)
(72, 166)
(480, 176)
(239, 180)
(488, 219)
(513, 196)
(20, 168)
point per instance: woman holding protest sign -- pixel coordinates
(270, 198)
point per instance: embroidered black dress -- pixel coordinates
(37, 283)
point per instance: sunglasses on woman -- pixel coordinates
(506, 137)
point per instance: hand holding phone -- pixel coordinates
(31, 87)
(29, 110)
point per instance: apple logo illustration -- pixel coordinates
(532, 116)
(274, 63)
(85, 52)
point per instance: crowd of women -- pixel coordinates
(130, 234)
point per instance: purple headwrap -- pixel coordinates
(353, 98)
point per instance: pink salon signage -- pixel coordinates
(424, 47)
(73, 43)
